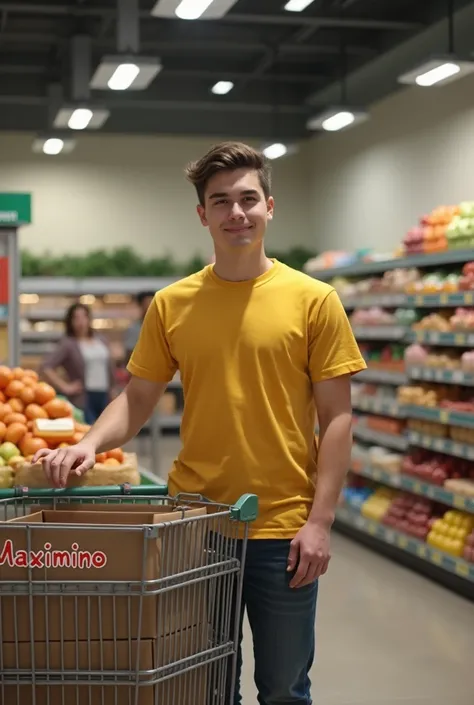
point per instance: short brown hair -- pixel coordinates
(228, 156)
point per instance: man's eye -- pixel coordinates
(249, 198)
(220, 202)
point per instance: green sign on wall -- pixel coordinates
(15, 209)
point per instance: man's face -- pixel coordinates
(235, 210)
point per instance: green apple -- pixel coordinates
(8, 450)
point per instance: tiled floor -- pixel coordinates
(386, 636)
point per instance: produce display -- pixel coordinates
(377, 505)
(33, 417)
(431, 234)
(460, 231)
(449, 533)
(418, 355)
(409, 514)
(389, 358)
(376, 316)
(436, 468)
(468, 554)
(446, 322)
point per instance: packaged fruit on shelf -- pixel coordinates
(410, 515)
(376, 506)
(460, 231)
(429, 428)
(385, 459)
(461, 435)
(468, 553)
(436, 468)
(431, 233)
(383, 424)
(449, 533)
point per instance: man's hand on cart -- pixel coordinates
(59, 464)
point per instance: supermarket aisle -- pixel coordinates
(386, 636)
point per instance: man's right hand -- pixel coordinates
(59, 464)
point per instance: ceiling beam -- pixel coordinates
(231, 18)
(182, 46)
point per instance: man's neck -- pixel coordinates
(241, 266)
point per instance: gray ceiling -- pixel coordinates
(283, 64)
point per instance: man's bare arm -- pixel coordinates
(333, 403)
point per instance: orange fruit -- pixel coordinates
(2, 397)
(6, 376)
(112, 461)
(15, 433)
(116, 453)
(5, 409)
(14, 388)
(18, 372)
(57, 409)
(29, 382)
(35, 411)
(29, 446)
(17, 405)
(31, 374)
(3, 430)
(27, 395)
(101, 457)
(14, 418)
(44, 393)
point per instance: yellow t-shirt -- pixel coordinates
(248, 353)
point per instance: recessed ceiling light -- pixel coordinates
(53, 144)
(438, 70)
(80, 117)
(297, 5)
(275, 151)
(337, 118)
(192, 9)
(222, 87)
(122, 73)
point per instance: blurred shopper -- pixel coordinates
(85, 357)
(143, 300)
(260, 347)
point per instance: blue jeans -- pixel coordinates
(95, 405)
(282, 620)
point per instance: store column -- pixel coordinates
(15, 211)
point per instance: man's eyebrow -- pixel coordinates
(223, 194)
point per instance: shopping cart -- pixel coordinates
(120, 596)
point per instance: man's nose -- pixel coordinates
(237, 211)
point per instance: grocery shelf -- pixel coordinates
(387, 332)
(392, 300)
(363, 269)
(418, 487)
(459, 298)
(444, 416)
(41, 335)
(97, 286)
(435, 374)
(432, 337)
(441, 445)
(381, 376)
(451, 564)
(390, 440)
(384, 407)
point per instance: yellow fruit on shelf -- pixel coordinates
(449, 534)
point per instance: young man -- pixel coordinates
(260, 347)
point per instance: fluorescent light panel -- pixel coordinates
(52, 144)
(336, 119)
(122, 73)
(437, 71)
(297, 5)
(192, 9)
(275, 151)
(81, 117)
(222, 87)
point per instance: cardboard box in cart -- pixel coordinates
(106, 547)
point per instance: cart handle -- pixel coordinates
(108, 491)
(245, 509)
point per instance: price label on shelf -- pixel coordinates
(417, 487)
(444, 416)
(439, 445)
(436, 558)
(402, 541)
(438, 375)
(431, 491)
(422, 551)
(462, 569)
(372, 529)
(389, 536)
(419, 300)
(459, 502)
(443, 299)
(360, 523)
(469, 298)
(460, 339)
(395, 480)
(457, 376)
(433, 338)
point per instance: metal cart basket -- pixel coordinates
(120, 596)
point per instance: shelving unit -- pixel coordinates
(380, 400)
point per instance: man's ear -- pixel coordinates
(202, 215)
(270, 208)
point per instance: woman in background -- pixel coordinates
(86, 359)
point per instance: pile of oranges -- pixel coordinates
(23, 399)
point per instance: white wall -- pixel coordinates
(370, 184)
(114, 190)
